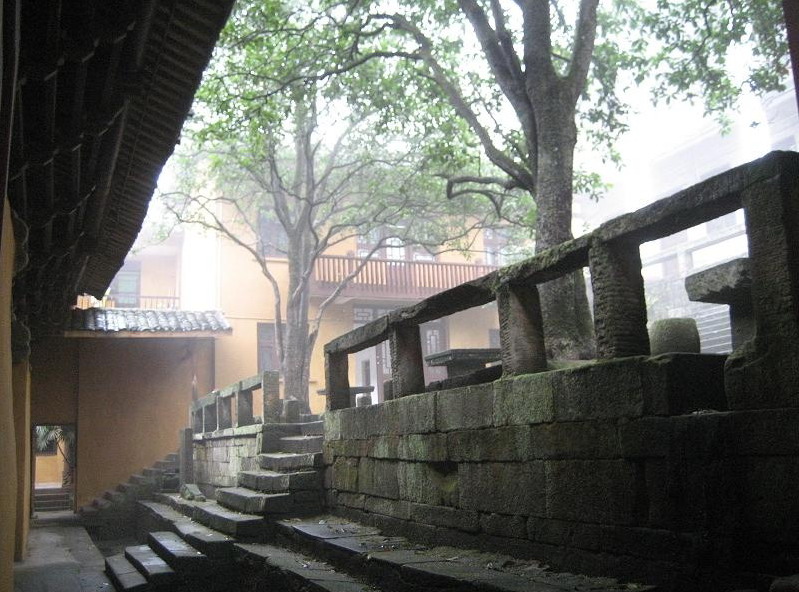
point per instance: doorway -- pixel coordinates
(54, 467)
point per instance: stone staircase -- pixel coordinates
(270, 533)
(112, 514)
(52, 499)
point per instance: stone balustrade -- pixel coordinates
(232, 406)
(767, 191)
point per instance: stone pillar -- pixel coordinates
(224, 412)
(764, 373)
(407, 362)
(209, 414)
(619, 303)
(521, 330)
(338, 381)
(186, 456)
(244, 407)
(272, 407)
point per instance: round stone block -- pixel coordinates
(363, 399)
(674, 335)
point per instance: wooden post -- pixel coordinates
(338, 381)
(619, 302)
(407, 362)
(521, 330)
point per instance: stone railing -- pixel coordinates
(767, 191)
(232, 406)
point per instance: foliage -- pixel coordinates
(63, 436)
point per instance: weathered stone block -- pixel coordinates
(465, 520)
(574, 440)
(770, 492)
(434, 484)
(504, 525)
(345, 474)
(683, 383)
(507, 443)
(351, 500)
(766, 432)
(384, 447)
(332, 421)
(387, 507)
(465, 408)
(378, 477)
(414, 414)
(645, 437)
(605, 490)
(423, 447)
(527, 399)
(602, 390)
(495, 487)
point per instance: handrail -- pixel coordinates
(762, 188)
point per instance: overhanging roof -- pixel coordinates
(104, 87)
(138, 322)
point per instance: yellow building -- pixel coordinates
(205, 271)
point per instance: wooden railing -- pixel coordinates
(392, 278)
(768, 191)
(146, 302)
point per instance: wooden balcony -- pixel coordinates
(388, 279)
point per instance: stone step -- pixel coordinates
(250, 501)
(172, 457)
(402, 564)
(101, 503)
(288, 461)
(301, 444)
(309, 417)
(179, 554)
(312, 428)
(124, 575)
(141, 480)
(288, 570)
(275, 482)
(228, 521)
(115, 497)
(152, 472)
(214, 544)
(88, 511)
(167, 466)
(55, 494)
(154, 569)
(52, 505)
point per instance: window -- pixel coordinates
(268, 355)
(125, 289)
(272, 238)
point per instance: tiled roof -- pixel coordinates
(139, 320)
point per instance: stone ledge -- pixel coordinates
(241, 431)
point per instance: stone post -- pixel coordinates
(764, 373)
(186, 456)
(338, 381)
(224, 412)
(407, 362)
(270, 387)
(209, 414)
(244, 415)
(521, 330)
(619, 303)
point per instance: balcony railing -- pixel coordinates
(388, 278)
(146, 302)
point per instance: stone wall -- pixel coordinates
(632, 467)
(220, 455)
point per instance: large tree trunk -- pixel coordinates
(296, 355)
(568, 326)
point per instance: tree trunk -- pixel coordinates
(296, 362)
(568, 326)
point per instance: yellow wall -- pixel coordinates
(22, 422)
(8, 457)
(49, 468)
(129, 399)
